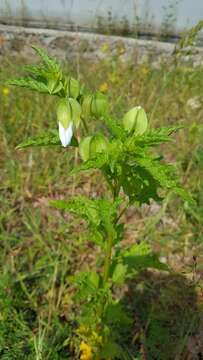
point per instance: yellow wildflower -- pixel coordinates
(82, 329)
(86, 351)
(97, 338)
(145, 70)
(103, 87)
(105, 48)
(5, 91)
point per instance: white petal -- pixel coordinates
(65, 134)
(69, 133)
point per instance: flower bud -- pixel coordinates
(99, 105)
(87, 105)
(72, 87)
(68, 111)
(98, 144)
(84, 148)
(54, 86)
(65, 135)
(135, 120)
(91, 145)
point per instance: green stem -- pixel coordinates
(107, 262)
(85, 125)
(109, 245)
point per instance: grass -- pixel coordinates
(40, 249)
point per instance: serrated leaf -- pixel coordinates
(119, 273)
(184, 195)
(116, 129)
(81, 206)
(139, 185)
(47, 139)
(87, 283)
(30, 83)
(94, 279)
(49, 62)
(95, 236)
(107, 211)
(153, 137)
(164, 174)
(96, 163)
(112, 350)
(140, 257)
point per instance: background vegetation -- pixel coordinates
(40, 249)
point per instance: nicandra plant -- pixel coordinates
(124, 155)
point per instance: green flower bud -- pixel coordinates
(86, 106)
(72, 87)
(99, 106)
(135, 120)
(98, 144)
(84, 148)
(54, 86)
(68, 111)
(91, 145)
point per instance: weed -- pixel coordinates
(41, 250)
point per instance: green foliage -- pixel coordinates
(188, 40)
(121, 150)
(48, 139)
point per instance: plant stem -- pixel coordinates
(109, 245)
(107, 262)
(84, 124)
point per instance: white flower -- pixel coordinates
(65, 134)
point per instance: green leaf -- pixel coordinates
(112, 350)
(94, 279)
(47, 139)
(184, 195)
(96, 163)
(54, 86)
(119, 273)
(108, 211)
(29, 83)
(140, 257)
(95, 236)
(50, 63)
(88, 284)
(152, 137)
(139, 185)
(116, 129)
(164, 174)
(82, 206)
(99, 213)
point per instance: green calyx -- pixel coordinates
(135, 120)
(91, 145)
(95, 105)
(54, 86)
(69, 111)
(72, 87)
(84, 148)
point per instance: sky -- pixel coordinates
(188, 12)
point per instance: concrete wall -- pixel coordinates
(112, 16)
(66, 45)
